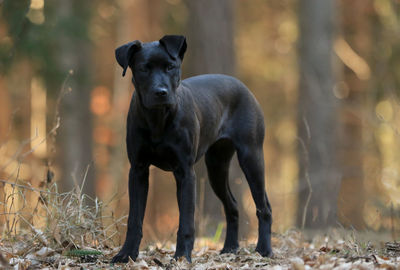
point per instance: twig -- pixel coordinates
(57, 118)
(306, 174)
(14, 222)
(27, 187)
(18, 152)
(392, 222)
(42, 141)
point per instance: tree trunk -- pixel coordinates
(210, 37)
(318, 179)
(75, 132)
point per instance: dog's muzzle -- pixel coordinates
(159, 97)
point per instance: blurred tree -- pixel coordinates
(32, 35)
(356, 44)
(211, 48)
(51, 37)
(74, 56)
(19, 62)
(318, 179)
(13, 19)
(210, 34)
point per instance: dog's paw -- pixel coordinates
(184, 248)
(229, 249)
(180, 254)
(266, 252)
(123, 257)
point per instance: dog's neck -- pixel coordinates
(156, 120)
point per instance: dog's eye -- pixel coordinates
(170, 67)
(143, 69)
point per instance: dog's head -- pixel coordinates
(156, 68)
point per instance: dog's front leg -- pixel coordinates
(186, 193)
(138, 188)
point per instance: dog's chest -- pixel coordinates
(163, 157)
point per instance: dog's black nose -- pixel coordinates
(160, 92)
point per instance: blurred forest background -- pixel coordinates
(326, 73)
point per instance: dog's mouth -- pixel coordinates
(151, 101)
(159, 104)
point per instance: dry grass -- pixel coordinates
(59, 223)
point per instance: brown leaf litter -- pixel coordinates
(291, 251)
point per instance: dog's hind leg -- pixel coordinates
(217, 159)
(251, 160)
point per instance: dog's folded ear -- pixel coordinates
(124, 53)
(175, 45)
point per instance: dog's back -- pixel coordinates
(236, 113)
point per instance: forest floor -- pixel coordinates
(69, 231)
(334, 250)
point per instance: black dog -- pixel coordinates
(171, 124)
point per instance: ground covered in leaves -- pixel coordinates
(344, 250)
